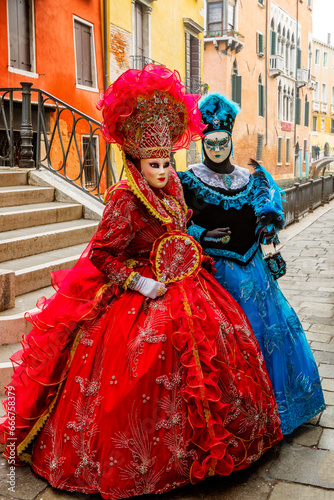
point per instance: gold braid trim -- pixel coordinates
(136, 191)
(128, 280)
(26, 457)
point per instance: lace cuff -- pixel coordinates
(131, 281)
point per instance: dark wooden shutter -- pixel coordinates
(279, 150)
(259, 147)
(195, 71)
(19, 34)
(307, 114)
(261, 99)
(287, 150)
(83, 52)
(299, 58)
(236, 89)
(298, 110)
(187, 58)
(273, 41)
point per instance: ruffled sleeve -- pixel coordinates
(119, 224)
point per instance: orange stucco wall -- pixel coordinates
(55, 58)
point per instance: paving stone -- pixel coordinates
(325, 309)
(324, 357)
(26, 485)
(53, 494)
(304, 465)
(314, 420)
(327, 417)
(282, 491)
(327, 384)
(326, 371)
(320, 328)
(327, 440)
(317, 337)
(306, 435)
(329, 398)
(319, 319)
(319, 346)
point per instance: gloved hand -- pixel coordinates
(267, 236)
(150, 288)
(218, 233)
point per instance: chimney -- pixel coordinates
(328, 38)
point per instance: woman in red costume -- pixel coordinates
(141, 374)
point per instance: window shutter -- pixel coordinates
(78, 52)
(307, 113)
(261, 45)
(83, 52)
(299, 58)
(273, 41)
(19, 34)
(187, 58)
(315, 123)
(261, 99)
(195, 54)
(279, 151)
(287, 150)
(259, 147)
(236, 89)
(298, 111)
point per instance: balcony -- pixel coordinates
(196, 86)
(231, 38)
(138, 62)
(323, 107)
(302, 77)
(316, 106)
(275, 65)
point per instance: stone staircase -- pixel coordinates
(38, 234)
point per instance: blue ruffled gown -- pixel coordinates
(245, 203)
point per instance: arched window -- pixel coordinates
(260, 96)
(285, 104)
(279, 39)
(292, 54)
(273, 39)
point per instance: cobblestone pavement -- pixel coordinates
(302, 466)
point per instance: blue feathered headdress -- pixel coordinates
(218, 112)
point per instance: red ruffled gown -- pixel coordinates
(122, 395)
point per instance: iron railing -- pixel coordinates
(138, 62)
(62, 140)
(53, 135)
(304, 198)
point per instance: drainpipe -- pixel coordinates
(296, 90)
(105, 45)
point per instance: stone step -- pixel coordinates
(32, 273)
(21, 243)
(6, 369)
(13, 177)
(19, 217)
(25, 195)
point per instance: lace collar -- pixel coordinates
(237, 179)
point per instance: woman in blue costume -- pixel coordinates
(233, 212)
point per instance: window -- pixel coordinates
(259, 44)
(273, 39)
(20, 28)
(316, 92)
(309, 4)
(193, 63)
(332, 126)
(324, 92)
(314, 123)
(84, 54)
(90, 159)
(236, 85)
(231, 15)
(260, 2)
(325, 59)
(279, 151)
(261, 103)
(215, 18)
(259, 147)
(298, 110)
(317, 57)
(322, 128)
(287, 150)
(306, 112)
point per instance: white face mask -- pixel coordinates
(217, 146)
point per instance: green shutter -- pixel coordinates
(261, 99)
(238, 99)
(307, 113)
(259, 44)
(236, 89)
(298, 111)
(273, 39)
(299, 58)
